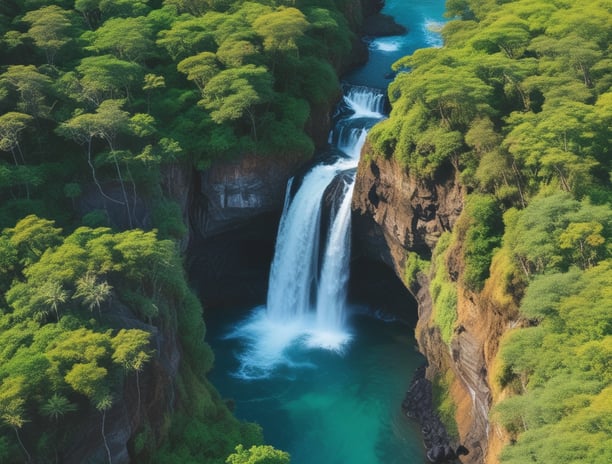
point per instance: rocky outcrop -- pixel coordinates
(232, 193)
(394, 213)
(381, 25)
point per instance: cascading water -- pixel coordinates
(309, 274)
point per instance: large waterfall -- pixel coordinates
(307, 289)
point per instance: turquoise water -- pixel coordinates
(327, 407)
(421, 18)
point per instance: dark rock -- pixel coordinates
(381, 25)
(418, 405)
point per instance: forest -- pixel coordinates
(98, 98)
(518, 102)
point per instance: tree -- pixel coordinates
(132, 353)
(200, 69)
(281, 30)
(31, 86)
(32, 236)
(91, 292)
(108, 121)
(53, 295)
(586, 241)
(106, 77)
(263, 454)
(235, 93)
(508, 33)
(12, 408)
(56, 406)
(152, 82)
(103, 404)
(49, 28)
(187, 37)
(11, 126)
(127, 38)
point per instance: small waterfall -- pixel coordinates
(365, 103)
(331, 293)
(310, 270)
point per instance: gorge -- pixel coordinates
(146, 152)
(274, 379)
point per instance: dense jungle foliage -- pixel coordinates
(519, 102)
(98, 98)
(107, 91)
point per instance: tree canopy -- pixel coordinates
(516, 105)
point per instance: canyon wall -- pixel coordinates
(396, 213)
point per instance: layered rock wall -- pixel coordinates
(396, 213)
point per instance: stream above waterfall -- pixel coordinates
(324, 374)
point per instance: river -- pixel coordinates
(326, 378)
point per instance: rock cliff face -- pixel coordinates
(125, 418)
(233, 193)
(395, 213)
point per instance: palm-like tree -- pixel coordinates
(57, 406)
(11, 413)
(92, 292)
(53, 295)
(103, 404)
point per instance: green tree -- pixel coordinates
(49, 28)
(31, 86)
(56, 406)
(200, 69)
(132, 353)
(103, 404)
(263, 454)
(235, 93)
(12, 408)
(508, 33)
(12, 124)
(92, 292)
(281, 30)
(105, 77)
(127, 38)
(53, 295)
(32, 236)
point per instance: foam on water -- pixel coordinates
(386, 44)
(270, 344)
(431, 30)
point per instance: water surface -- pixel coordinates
(329, 408)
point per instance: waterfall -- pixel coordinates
(331, 293)
(307, 288)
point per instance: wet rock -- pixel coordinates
(418, 405)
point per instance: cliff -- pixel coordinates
(396, 213)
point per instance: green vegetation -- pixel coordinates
(111, 92)
(443, 402)
(258, 455)
(443, 291)
(518, 103)
(65, 353)
(414, 265)
(98, 99)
